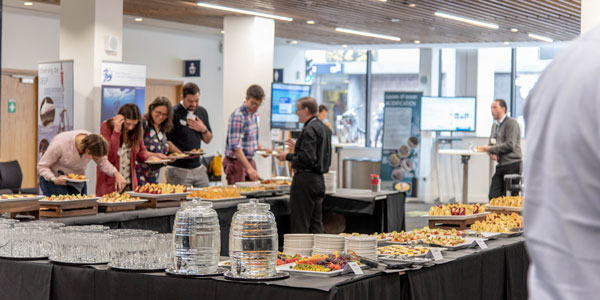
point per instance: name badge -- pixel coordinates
(183, 122)
(493, 141)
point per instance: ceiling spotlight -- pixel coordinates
(514, 30)
(28, 3)
(382, 0)
(138, 19)
(344, 46)
(541, 38)
(374, 35)
(417, 42)
(293, 42)
(394, 20)
(310, 22)
(222, 31)
(243, 11)
(466, 20)
(506, 43)
(412, 5)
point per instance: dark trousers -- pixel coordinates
(306, 201)
(497, 188)
(49, 188)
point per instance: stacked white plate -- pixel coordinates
(330, 179)
(364, 246)
(328, 244)
(298, 243)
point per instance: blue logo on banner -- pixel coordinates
(107, 75)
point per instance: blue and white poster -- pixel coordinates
(401, 139)
(122, 84)
(55, 101)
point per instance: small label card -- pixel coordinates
(434, 253)
(354, 267)
(481, 243)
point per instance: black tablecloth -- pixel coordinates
(368, 212)
(496, 273)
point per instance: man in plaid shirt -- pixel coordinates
(242, 138)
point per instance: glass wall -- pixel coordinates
(338, 82)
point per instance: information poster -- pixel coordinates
(122, 84)
(55, 102)
(401, 139)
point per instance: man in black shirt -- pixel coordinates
(311, 158)
(190, 129)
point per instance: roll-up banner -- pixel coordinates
(401, 139)
(55, 101)
(121, 84)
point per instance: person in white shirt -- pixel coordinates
(562, 182)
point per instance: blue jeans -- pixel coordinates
(50, 188)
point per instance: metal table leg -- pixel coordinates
(465, 161)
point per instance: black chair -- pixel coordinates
(11, 178)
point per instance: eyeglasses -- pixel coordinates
(160, 114)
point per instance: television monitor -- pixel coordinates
(448, 113)
(283, 104)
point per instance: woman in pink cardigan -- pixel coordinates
(125, 144)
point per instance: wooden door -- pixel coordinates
(166, 88)
(18, 130)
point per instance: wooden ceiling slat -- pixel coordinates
(558, 19)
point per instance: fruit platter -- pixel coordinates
(456, 210)
(160, 195)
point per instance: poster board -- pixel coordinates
(401, 140)
(122, 84)
(55, 102)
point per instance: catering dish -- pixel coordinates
(456, 210)
(70, 197)
(499, 223)
(215, 193)
(76, 177)
(401, 250)
(177, 155)
(160, 188)
(508, 201)
(195, 151)
(119, 198)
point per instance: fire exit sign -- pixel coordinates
(12, 106)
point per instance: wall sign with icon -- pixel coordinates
(191, 68)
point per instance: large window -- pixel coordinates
(338, 82)
(448, 72)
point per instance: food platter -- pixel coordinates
(61, 202)
(23, 199)
(158, 196)
(121, 203)
(456, 217)
(505, 208)
(289, 268)
(158, 161)
(224, 199)
(76, 180)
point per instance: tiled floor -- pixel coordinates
(414, 211)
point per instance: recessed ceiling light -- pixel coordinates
(466, 20)
(417, 42)
(375, 35)
(310, 22)
(138, 19)
(344, 46)
(514, 30)
(293, 42)
(243, 11)
(382, 0)
(222, 31)
(539, 37)
(28, 3)
(412, 5)
(506, 43)
(394, 20)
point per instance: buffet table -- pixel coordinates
(498, 272)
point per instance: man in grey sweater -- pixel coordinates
(504, 147)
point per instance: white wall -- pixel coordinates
(28, 39)
(291, 59)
